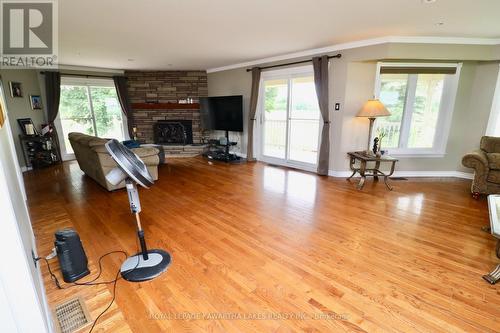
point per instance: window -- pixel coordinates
(90, 107)
(289, 118)
(420, 98)
(493, 128)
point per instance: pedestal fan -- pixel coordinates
(147, 264)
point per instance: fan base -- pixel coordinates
(136, 269)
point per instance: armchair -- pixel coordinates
(486, 164)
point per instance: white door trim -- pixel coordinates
(28, 310)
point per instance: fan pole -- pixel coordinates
(135, 207)
(142, 240)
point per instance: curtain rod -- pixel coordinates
(294, 63)
(84, 75)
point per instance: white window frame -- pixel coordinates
(493, 128)
(86, 82)
(285, 74)
(446, 109)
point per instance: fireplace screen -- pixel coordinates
(173, 132)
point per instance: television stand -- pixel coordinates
(223, 153)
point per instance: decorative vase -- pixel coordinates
(379, 147)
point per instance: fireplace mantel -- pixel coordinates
(165, 106)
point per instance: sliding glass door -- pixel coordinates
(289, 118)
(90, 107)
(274, 118)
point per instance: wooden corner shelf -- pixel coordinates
(165, 106)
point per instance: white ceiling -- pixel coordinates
(203, 34)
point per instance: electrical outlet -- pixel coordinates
(34, 257)
(337, 106)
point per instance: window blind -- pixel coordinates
(417, 70)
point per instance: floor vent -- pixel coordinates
(399, 178)
(71, 315)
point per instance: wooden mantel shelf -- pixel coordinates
(165, 106)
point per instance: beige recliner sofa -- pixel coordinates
(486, 164)
(96, 162)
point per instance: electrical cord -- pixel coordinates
(114, 292)
(92, 282)
(87, 283)
(110, 303)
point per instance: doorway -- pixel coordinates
(289, 118)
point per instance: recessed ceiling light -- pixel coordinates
(428, 1)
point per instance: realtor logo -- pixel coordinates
(29, 34)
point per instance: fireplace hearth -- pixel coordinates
(173, 132)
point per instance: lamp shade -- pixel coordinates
(373, 108)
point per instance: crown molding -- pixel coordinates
(90, 69)
(362, 43)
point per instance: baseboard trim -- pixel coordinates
(25, 168)
(433, 174)
(242, 155)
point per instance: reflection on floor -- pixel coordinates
(294, 185)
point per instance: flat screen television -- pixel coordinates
(223, 113)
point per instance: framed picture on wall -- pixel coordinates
(36, 102)
(16, 89)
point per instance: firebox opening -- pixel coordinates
(173, 132)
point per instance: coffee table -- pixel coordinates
(364, 158)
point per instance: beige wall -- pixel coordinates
(443, 52)
(234, 82)
(20, 107)
(352, 80)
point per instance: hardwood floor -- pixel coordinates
(258, 248)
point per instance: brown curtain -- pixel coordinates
(52, 97)
(52, 94)
(122, 93)
(254, 96)
(320, 65)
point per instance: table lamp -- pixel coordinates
(372, 108)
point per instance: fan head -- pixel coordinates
(129, 165)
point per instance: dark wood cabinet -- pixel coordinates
(39, 151)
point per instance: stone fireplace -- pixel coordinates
(155, 96)
(173, 132)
